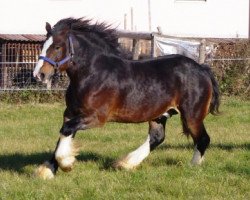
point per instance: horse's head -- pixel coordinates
(56, 54)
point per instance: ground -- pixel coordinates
(28, 133)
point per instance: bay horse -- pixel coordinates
(105, 86)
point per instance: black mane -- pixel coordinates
(101, 33)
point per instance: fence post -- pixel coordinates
(135, 49)
(125, 21)
(4, 67)
(132, 18)
(202, 52)
(153, 49)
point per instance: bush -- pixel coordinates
(233, 75)
(32, 96)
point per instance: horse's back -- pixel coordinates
(171, 71)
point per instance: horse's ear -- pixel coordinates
(48, 28)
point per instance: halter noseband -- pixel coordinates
(66, 59)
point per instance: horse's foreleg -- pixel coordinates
(64, 154)
(66, 150)
(63, 157)
(156, 136)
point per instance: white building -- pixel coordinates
(192, 18)
(202, 18)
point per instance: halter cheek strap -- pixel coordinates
(63, 61)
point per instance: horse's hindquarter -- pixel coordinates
(146, 90)
(160, 84)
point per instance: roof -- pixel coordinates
(23, 37)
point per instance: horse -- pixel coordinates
(105, 87)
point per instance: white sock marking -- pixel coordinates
(64, 153)
(166, 114)
(39, 64)
(197, 158)
(136, 157)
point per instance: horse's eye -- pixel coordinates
(57, 47)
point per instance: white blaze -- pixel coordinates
(39, 64)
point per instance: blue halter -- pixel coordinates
(66, 59)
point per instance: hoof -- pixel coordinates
(123, 164)
(197, 162)
(66, 164)
(45, 171)
(197, 157)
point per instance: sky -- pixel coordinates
(197, 18)
(29, 16)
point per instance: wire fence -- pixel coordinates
(19, 76)
(18, 61)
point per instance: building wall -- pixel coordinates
(211, 18)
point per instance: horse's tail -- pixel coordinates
(215, 101)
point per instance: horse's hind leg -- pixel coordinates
(201, 144)
(200, 137)
(157, 129)
(155, 137)
(157, 132)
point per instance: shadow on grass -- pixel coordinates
(226, 146)
(105, 162)
(17, 162)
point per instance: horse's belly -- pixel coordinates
(140, 112)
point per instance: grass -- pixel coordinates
(28, 133)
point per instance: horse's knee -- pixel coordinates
(71, 126)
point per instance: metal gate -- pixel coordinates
(17, 62)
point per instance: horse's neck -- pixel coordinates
(77, 71)
(80, 68)
(85, 53)
(98, 43)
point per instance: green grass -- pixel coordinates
(28, 133)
